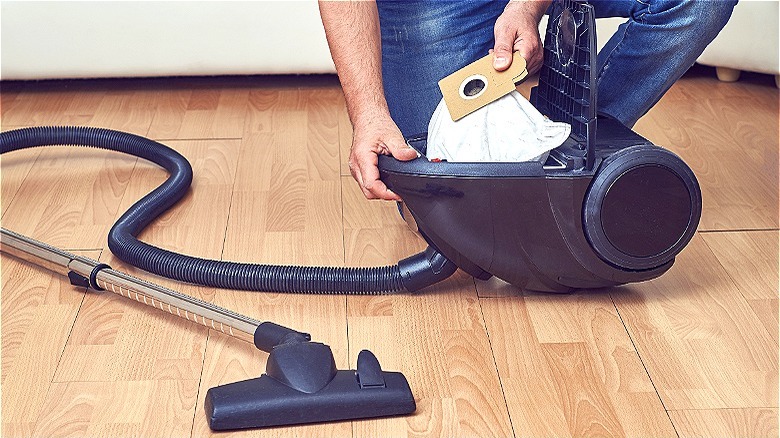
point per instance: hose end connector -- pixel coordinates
(424, 269)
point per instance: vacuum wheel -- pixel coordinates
(642, 208)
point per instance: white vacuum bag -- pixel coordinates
(509, 129)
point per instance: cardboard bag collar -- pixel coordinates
(479, 84)
(491, 122)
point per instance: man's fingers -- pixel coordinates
(363, 166)
(400, 150)
(530, 48)
(372, 186)
(378, 190)
(370, 141)
(358, 176)
(502, 50)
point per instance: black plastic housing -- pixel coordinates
(607, 207)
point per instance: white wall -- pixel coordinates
(109, 39)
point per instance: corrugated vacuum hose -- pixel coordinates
(412, 273)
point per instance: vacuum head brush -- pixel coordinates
(302, 385)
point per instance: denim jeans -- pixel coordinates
(424, 41)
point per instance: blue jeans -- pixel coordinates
(424, 41)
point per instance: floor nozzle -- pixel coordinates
(302, 385)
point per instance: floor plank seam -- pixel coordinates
(341, 198)
(742, 408)
(70, 332)
(118, 381)
(495, 363)
(124, 193)
(227, 223)
(343, 250)
(346, 317)
(343, 225)
(639, 356)
(230, 210)
(738, 230)
(346, 324)
(735, 281)
(24, 179)
(200, 380)
(156, 111)
(196, 139)
(62, 353)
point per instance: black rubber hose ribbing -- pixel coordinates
(213, 273)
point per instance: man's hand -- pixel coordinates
(517, 30)
(371, 138)
(352, 29)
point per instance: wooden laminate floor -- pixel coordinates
(692, 353)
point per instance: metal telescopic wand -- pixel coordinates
(83, 271)
(301, 383)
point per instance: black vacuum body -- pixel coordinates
(606, 208)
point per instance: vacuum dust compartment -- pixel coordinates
(608, 207)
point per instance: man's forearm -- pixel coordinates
(534, 9)
(352, 30)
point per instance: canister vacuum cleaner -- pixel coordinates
(607, 208)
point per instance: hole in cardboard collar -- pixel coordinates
(473, 86)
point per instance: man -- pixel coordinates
(390, 56)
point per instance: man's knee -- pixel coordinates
(701, 17)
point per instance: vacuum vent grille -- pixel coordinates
(567, 89)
